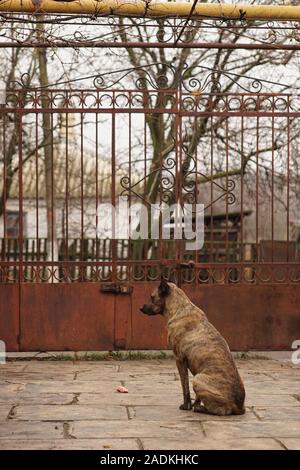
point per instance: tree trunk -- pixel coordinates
(52, 248)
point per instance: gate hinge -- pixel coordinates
(116, 289)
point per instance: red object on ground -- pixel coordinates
(122, 389)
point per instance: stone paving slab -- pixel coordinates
(159, 430)
(280, 413)
(164, 413)
(11, 387)
(4, 411)
(21, 398)
(220, 444)
(276, 429)
(72, 412)
(262, 400)
(74, 405)
(291, 443)
(75, 386)
(73, 444)
(13, 430)
(130, 399)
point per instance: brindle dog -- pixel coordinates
(200, 348)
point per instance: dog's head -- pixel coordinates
(158, 300)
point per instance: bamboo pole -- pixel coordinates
(154, 9)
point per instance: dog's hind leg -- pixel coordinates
(213, 400)
(184, 377)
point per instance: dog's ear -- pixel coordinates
(164, 288)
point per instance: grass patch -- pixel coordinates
(46, 357)
(95, 356)
(117, 356)
(245, 356)
(122, 355)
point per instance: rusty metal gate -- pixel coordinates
(65, 287)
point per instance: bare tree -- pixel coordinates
(52, 248)
(211, 148)
(215, 72)
(12, 124)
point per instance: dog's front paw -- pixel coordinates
(186, 406)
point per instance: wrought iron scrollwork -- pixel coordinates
(170, 75)
(169, 177)
(190, 177)
(193, 80)
(156, 76)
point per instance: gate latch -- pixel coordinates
(116, 289)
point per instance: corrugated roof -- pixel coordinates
(74, 176)
(88, 174)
